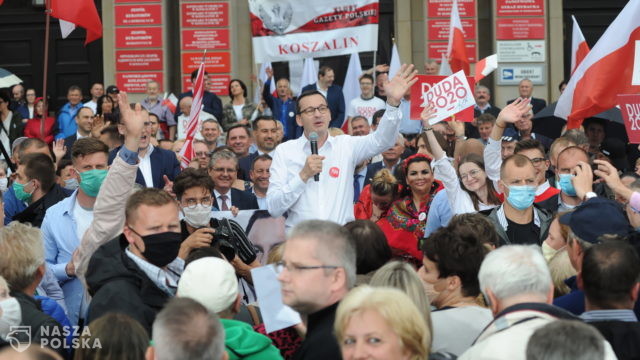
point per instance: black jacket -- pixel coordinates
(622, 335)
(38, 321)
(117, 284)
(536, 104)
(241, 200)
(34, 213)
(320, 342)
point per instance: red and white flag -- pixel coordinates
(456, 51)
(612, 67)
(170, 102)
(186, 153)
(579, 46)
(486, 66)
(81, 13)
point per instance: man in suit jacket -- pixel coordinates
(212, 103)
(525, 88)
(155, 162)
(84, 121)
(333, 93)
(265, 132)
(390, 160)
(223, 169)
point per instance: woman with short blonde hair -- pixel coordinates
(383, 322)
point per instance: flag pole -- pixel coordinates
(46, 66)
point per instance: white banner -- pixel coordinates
(287, 30)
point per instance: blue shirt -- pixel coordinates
(66, 120)
(408, 126)
(439, 213)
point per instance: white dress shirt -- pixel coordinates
(331, 198)
(145, 167)
(92, 105)
(228, 201)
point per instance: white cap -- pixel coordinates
(211, 281)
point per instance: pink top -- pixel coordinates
(635, 201)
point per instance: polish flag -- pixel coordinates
(72, 13)
(186, 153)
(170, 102)
(612, 67)
(579, 47)
(456, 51)
(486, 66)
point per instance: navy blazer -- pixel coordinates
(245, 165)
(536, 104)
(212, 104)
(68, 143)
(335, 99)
(372, 169)
(240, 199)
(163, 162)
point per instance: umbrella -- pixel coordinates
(7, 79)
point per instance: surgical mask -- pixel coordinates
(11, 316)
(20, 193)
(197, 217)
(162, 248)
(521, 197)
(566, 185)
(3, 184)
(71, 184)
(91, 181)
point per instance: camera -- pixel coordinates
(231, 240)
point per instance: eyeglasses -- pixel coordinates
(312, 110)
(471, 174)
(223, 170)
(281, 265)
(192, 203)
(202, 154)
(537, 161)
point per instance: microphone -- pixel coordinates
(313, 138)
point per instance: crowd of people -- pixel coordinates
(403, 239)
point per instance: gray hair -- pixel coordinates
(335, 246)
(566, 339)
(21, 254)
(482, 87)
(184, 329)
(210, 120)
(515, 270)
(576, 136)
(222, 155)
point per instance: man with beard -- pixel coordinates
(265, 133)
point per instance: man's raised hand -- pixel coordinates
(396, 88)
(513, 112)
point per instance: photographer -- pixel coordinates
(193, 191)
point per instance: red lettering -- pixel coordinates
(282, 50)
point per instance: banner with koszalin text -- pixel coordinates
(289, 30)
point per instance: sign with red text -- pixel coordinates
(442, 8)
(285, 31)
(451, 95)
(517, 29)
(218, 62)
(200, 39)
(137, 37)
(436, 50)
(136, 82)
(439, 28)
(217, 84)
(630, 108)
(210, 14)
(138, 14)
(138, 60)
(520, 7)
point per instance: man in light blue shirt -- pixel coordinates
(439, 213)
(65, 223)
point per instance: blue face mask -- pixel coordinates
(521, 197)
(566, 185)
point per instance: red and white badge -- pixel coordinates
(334, 172)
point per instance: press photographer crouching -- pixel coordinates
(193, 189)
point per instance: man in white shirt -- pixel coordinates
(96, 91)
(291, 186)
(367, 104)
(183, 119)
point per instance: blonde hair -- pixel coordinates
(400, 275)
(399, 312)
(275, 253)
(384, 183)
(560, 268)
(21, 253)
(335, 131)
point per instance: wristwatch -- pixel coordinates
(589, 195)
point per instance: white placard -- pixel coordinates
(521, 51)
(509, 74)
(275, 313)
(449, 96)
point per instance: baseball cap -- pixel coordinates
(112, 89)
(211, 281)
(595, 217)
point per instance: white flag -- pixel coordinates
(395, 63)
(351, 86)
(66, 28)
(445, 69)
(309, 73)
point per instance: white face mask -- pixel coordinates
(3, 183)
(197, 217)
(11, 315)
